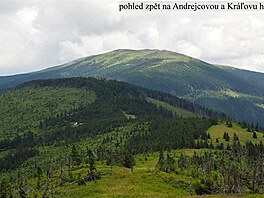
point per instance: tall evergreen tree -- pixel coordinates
(161, 161)
(129, 160)
(75, 156)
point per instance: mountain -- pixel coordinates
(238, 93)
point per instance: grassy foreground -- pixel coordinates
(145, 181)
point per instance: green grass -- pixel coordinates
(260, 106)
(122, 57)
(175, 110)
(217, 131)
(232, 93)
(146, 181)
(129, 116)
(21, 110)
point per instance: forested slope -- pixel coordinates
(79, 135)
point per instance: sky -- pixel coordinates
(36, 34)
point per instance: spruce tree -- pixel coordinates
(226, 136)
(236, 137)
(181, 161)
(129, 161)
(161, 162)
(76, 159)
(169, 163)
(230, 125)
(91, 160)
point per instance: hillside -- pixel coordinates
(217, 132)
(23, 109)
(238, 93)
(45, 108)
(250, 75)
(85, 137)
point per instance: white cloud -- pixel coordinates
(35, 34)
(96, 44)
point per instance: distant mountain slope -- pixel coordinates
(236, 92)
(250, 75)
(34, 105)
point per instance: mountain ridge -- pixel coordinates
(238, 93)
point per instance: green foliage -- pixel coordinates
(75, 156)
(22, 193)
(14, 158)
(165, 164)
(129, 161)
(80, 180)
(226, 136)
(204, 186)
(230, 124)
(161, 163)
(91, 161)
(5, 188)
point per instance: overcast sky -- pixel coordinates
(36, 34)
